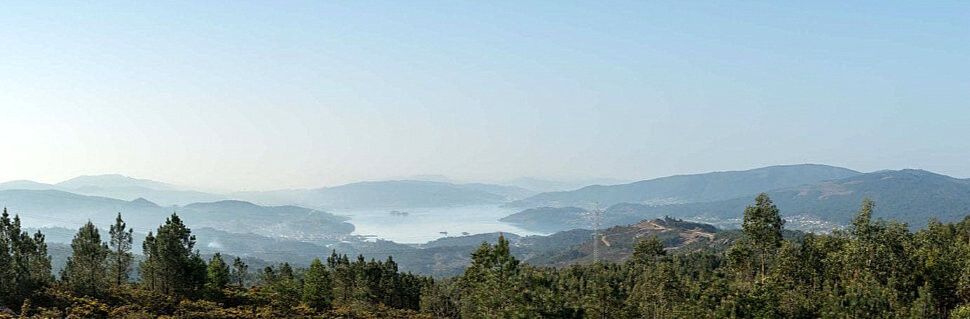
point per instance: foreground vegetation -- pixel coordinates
(873, 269)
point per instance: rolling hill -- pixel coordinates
(690, 188)
(127, 188)
(120, 187)
(910, 196)
(616, 243)
(25, 184)
(54, 208)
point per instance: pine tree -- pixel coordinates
(862, 223)
(491, 282)
(317, 286)
(40, 261)
(647, 250)
(441, 299)
(174, 267)
(86, 269)
(148, 268)
(25, 267)
(217, 275)
(240, 272)
(657, 292)
(121, 257)
(762, 228)
(281, 286)
(7, 271)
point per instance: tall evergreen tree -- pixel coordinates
(40, 261)
(491, 282)
(862, 223)
(121, 257)
(240, 272)
(217, 275)
(7, 271)
(86, 268)
(762, 229)
(317, 286)
(148, 268)
(647, 250)
(24, 264)
(176, 269)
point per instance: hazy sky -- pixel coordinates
(277, 94)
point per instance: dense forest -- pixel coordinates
(871, 269)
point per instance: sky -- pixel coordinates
(254, 95)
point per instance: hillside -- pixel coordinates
(550, 219)
(910, 196)
(53, 208)
(551, 185)
(616, 243)
(449, 256)
(553, 219)
(690, 188)
(128, 188)
(291, 222)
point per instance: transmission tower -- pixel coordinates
(595, 216)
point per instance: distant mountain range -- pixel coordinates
(120, 187)
(812, 197)
(391, 194)
(553, 185)
(910, 196)
(54, 208)
(689, 188)
(362, 195)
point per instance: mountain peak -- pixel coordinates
(140, 201)
(239, 204)
(113, 181)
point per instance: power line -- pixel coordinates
(595, 218)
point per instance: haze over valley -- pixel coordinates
(379, 217)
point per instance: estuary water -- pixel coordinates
(421, 225)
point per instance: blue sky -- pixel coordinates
(261, 95)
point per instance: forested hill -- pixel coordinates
(616, 243)
(690, 188)
(910, 196)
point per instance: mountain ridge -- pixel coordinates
(57, 208)
(910, 196)
(678, 189)
(389, 194)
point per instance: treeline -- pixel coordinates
(872, 269)
(175, 281)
